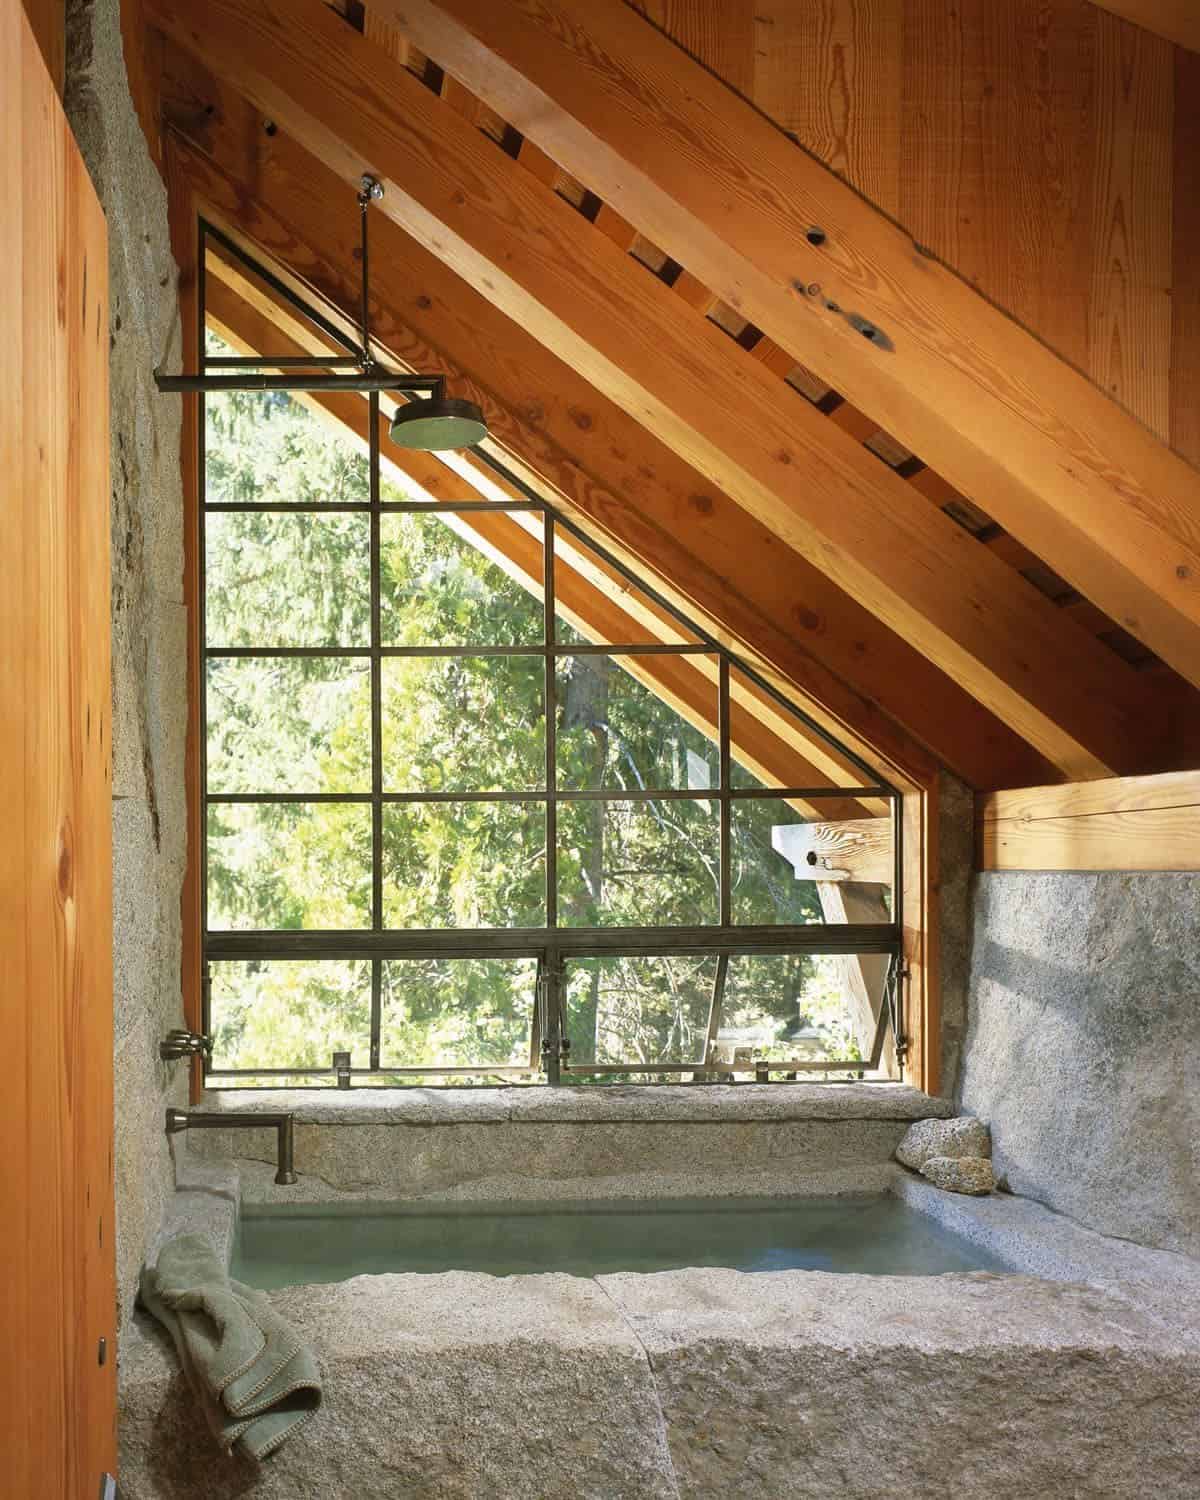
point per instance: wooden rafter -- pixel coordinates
(1130, 823)
(711, 181)
(530, 253)
(599, 463)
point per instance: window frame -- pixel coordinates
(552, 945)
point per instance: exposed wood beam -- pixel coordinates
(601, 463)
(1177, 20)
(1130, 823)
(708, 178)
(536, 258)
(848, 851)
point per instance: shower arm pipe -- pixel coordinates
(282, 1123)
(379, 380)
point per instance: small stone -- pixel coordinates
(960, 1174)
(962, 1136)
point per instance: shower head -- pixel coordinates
(437, 424)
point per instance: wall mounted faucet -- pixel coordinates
(180, 1119)
(180, 1043)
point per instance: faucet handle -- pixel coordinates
(180, 1043)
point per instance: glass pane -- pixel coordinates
(289, 724)
(639, 1010)
(638, 864)
(464, 864)
(290, 1013)
(265, 448)
(473, 579)
(288, 865)
(457, 1012)
(800, 1007)
(464, 723)
(791, 866)
(287, 580)
(770, 746)
(622, 724)
(595, 604)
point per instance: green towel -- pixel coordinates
(257, 1382)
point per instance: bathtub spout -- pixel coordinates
(283, 1124)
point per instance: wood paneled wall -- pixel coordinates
(57, 1289)
(1046, 149)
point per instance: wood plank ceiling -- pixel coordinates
(625, 382)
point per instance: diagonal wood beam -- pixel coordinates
(536, 258)
(601, 463)
(713, 183)
(1177, 20)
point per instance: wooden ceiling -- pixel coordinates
(839, 452)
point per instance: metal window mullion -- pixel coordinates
(254, 798)
(552, 1011)
(551, 703)
(287, 507)
(376, 731)
(202, 663)
(459, 507)
(357, 653)
(726, 849)
(574, 942)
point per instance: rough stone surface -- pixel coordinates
(458, 1385)
(148, 639)
(960, 1174)
(1084, 1047)
(701, 1383)
(956, 858)
(724, 1103)
(569, 1159)
(1039, 1242)
(806, 1385)
(962, 1136)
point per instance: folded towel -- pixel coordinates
(257, 1383)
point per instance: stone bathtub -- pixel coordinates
(1076, 1374)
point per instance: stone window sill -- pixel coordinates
(718, 1103)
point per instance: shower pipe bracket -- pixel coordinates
(312, 373)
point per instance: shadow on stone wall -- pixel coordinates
(1083, 1046)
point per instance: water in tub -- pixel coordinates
(286, 1244)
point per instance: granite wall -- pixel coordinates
(148, 632)
(1083, 1046)
(956, 863)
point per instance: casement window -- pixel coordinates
(480, 803)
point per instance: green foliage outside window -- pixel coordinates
(449, 725)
